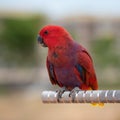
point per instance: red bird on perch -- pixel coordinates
(69, 64)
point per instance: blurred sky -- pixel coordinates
(56, 9)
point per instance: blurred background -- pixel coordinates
(23, 75)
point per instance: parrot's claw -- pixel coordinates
(60, 92)
(74, 91)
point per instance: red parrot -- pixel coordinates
(69, 64)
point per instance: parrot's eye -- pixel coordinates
(46, 32)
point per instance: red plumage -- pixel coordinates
(68, 63)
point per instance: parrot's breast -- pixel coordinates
(66, 77)
(64, 59)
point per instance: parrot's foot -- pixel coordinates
(60, 92)
(74, 91)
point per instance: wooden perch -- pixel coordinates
(91, 96)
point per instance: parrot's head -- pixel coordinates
(51, 35)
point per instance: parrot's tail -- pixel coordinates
(97, 104)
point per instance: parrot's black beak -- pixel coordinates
(41, 41)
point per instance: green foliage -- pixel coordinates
(18, 40)
(104, 52)
(106, 60)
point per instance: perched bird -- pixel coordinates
(69, 64)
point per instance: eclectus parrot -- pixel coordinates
(68, 63)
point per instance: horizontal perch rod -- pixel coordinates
(91, 96)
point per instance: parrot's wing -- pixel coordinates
(85, 60)
(86, 69)
(51, 72)
(81, 72)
